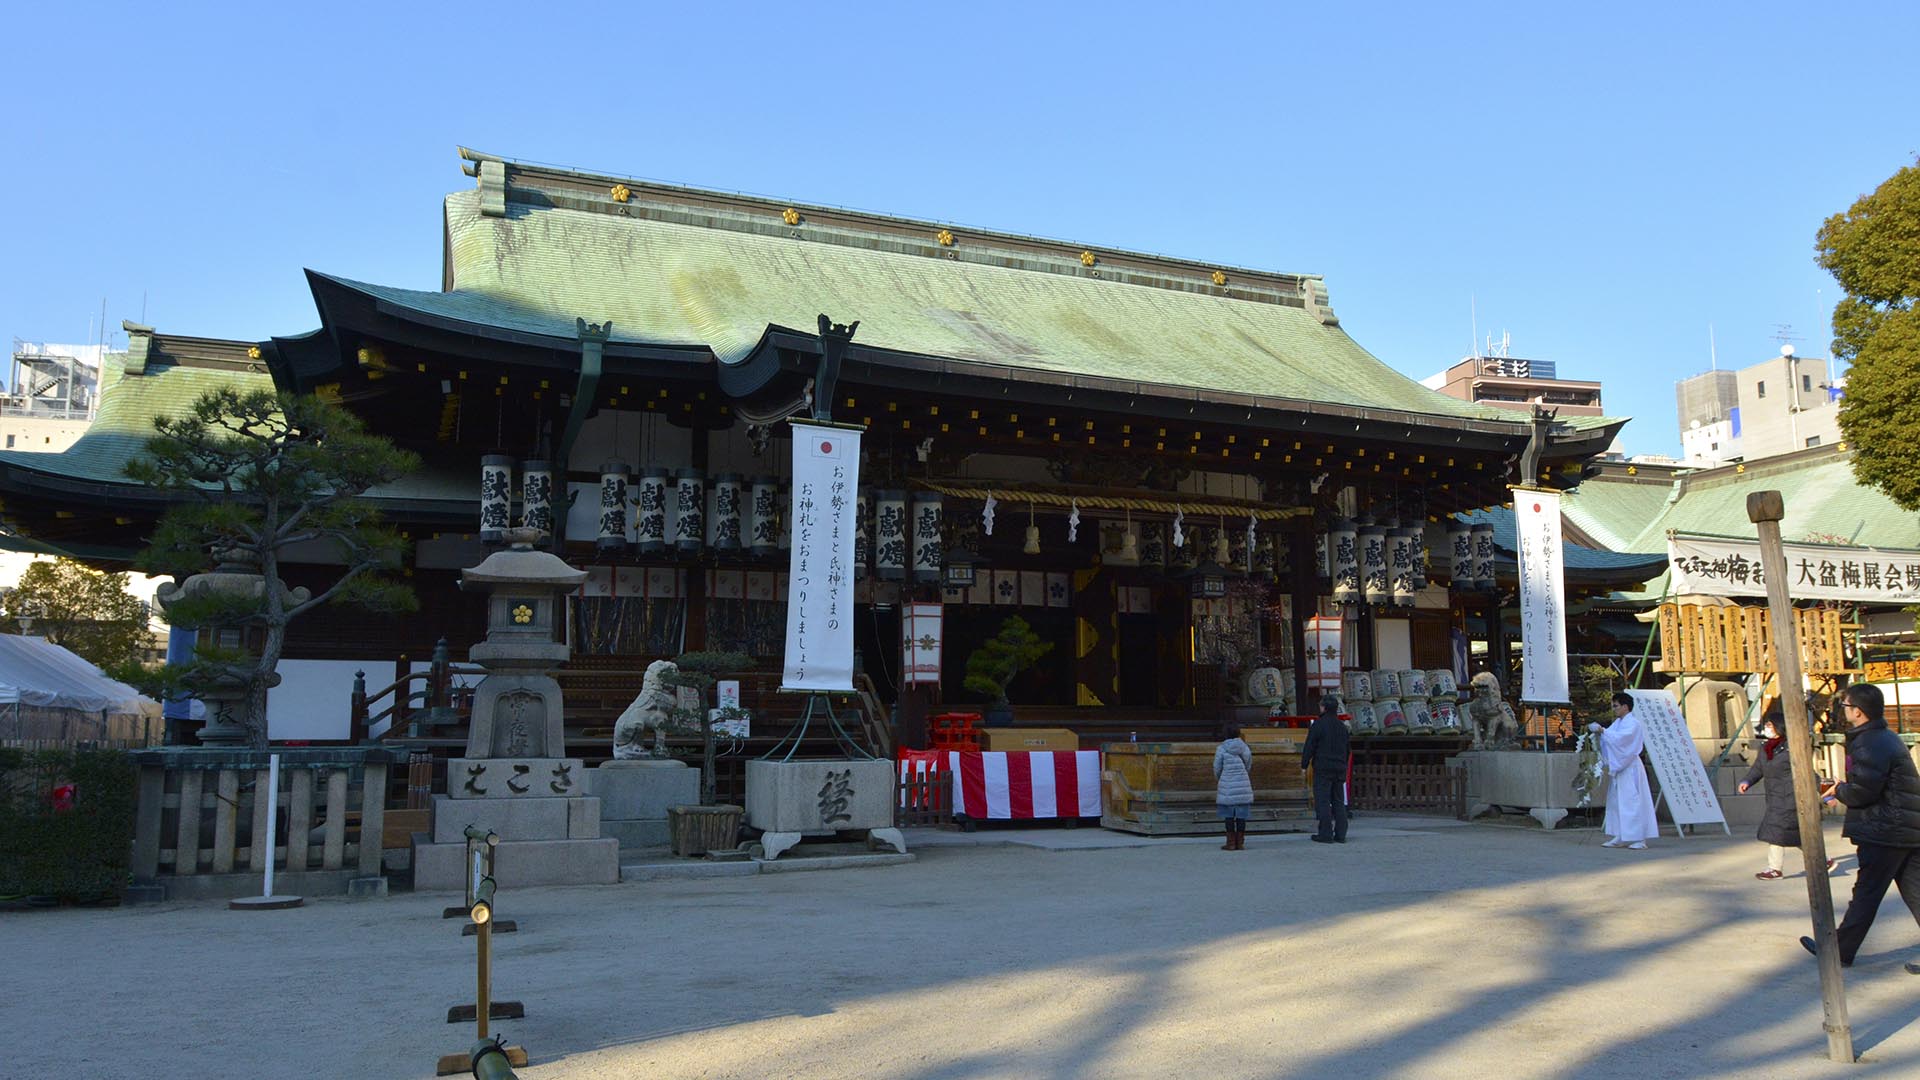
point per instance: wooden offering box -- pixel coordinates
(1039, 738)
(1167, 788)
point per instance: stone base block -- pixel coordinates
(553, 818)
(1523, 779)
(228, 886)
(515, 778)
(519, 864)
(816, 798)
(367, 887)
(642, 790)
(638, 834)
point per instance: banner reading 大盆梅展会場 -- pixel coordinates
(1719, 566)
(826, 476)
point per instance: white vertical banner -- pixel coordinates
(826, 475)
(1543, 592)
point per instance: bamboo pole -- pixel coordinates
(1765, 509)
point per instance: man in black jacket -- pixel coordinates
(1326, 751)
(1882, 796)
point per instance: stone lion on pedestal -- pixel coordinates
(652, 710)
(1494, 725)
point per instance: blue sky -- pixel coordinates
(1601, 185)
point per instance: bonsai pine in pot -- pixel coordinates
(1000, 658)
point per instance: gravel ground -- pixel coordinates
(1420, 949)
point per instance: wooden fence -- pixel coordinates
(1409, 787)
(200, 825)
(925, 799)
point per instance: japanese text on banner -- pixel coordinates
(1714, 566)
(826, 474)
(1543, 616)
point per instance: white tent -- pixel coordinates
(39, 676)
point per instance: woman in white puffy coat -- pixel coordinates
(1233, 789)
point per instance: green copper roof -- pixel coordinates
(666, 282)
(1820, 493)
(130, 402)
(128, 405)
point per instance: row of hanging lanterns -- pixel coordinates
(899, 534)
(496, 496)
(1385, 564)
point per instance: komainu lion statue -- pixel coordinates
(652, 710)
(1494, 725)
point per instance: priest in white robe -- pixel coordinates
(1629, 821)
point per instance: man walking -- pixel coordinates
(1882, 796)
(1326, 752)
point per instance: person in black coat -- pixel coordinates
(1326, 752)
(1780, 825)
(1882, 796)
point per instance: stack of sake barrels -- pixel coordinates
(1444, 702)
(1272, 687)
(1356, 692)
(1395, 701)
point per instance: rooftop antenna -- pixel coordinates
(1473, 308)
(1713, 354)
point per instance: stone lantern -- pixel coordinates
(516, 708)
(516, 780)
(235, 576)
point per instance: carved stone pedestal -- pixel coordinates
(636, 794)
(788, 800)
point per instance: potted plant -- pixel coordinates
(698, 830)
(1000, 658)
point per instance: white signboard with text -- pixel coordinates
(1683, 779)
(1714, 566)
(826, 474)
(1543, 592)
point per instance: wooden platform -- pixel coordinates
(1168, 788)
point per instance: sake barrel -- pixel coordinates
(1264, 686)
(1440, 681)
(1393, 719)
(1414, 684)
(1362, 719)
(1419, 717)
(1386, 683)
(1356, 685)
(1446, 716)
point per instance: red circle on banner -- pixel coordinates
(827, 448)
(1536, 508)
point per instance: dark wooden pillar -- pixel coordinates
(1304, 585)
